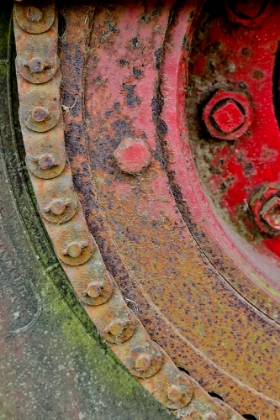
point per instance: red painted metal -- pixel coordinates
(236, 57)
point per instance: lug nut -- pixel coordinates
(74, 249)
(34, 14)
(46, 161)
(94, 290)
(174, 393)
(265, 205)
(39, 114)
(227, 115)
(133, 155)
(143, 363)
(270, 213)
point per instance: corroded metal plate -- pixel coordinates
(165, 109)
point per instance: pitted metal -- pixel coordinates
(40, 111)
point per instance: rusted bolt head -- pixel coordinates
(117, 327)
(228, 116)
(143, 362)
(39, 114)
(265, 205)
(74, 249)
(46, 161)
(133, 155)
(34, 14)
(57, 207)
(36, 65)
(174, 393)
(94, 289)
(120, 329)
(270, 213)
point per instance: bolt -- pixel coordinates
(57, 207)
(39, 114)
(174, 393)
(265, 206)
(36, 65)
(249, 9)
(34, 14)
(74, 249)
(46, 161)
(143, 362)
(228, 116)
(270, 213)
(94, 290)
(133, 155)
(117, 327)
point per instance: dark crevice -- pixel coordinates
(249, 417)
(214, 395)
(184, 370)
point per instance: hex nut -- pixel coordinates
(227, 115)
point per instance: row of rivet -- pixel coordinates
(42, 127)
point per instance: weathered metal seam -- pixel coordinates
(77, 250)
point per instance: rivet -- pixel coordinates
(143, 362)
(57, 207)
(36, 65)
(120, 329)
(94, 290)
(117, 327)
(34, 14)
(39, 114)
(46, 161)
(133, 155)
(174, 393)
(74, 249)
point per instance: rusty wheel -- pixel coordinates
(151, 136)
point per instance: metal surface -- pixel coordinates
(132, 76)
